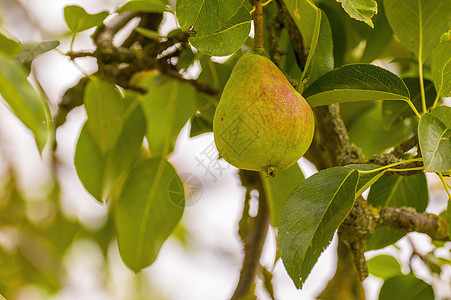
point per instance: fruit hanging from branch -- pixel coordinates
(261, 123)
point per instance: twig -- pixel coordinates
(395, 156)
(103, 37)
(256, 234)
(295, 35)
(73, 55)
(259, 41)
(199, 85)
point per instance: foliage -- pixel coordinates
(397, 127)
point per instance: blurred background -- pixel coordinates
(57, 242)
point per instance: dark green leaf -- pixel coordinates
(383, 237)
(362, 10)
(357, 82)
(199, 125)
(400, 191)
(77, 19)
(228, 38)
(317, 34)
(33, 49)
(377, 39)
(105, 108)
(418, 24)
(26, 103)
(167, 106)
(351, 111)
(8, 47)
(443, 113)
(206, 16)
(280, 188)
(147, 212)
(441, 65)
(399, 110)
(369, 133)
(310, 217)
(406, 287)
(149, 6)
(434, 134)
(383, 266)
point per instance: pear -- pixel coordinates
(261, 122)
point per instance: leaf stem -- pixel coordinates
(445, 184)
(423, 95)
(393, 165)
(258, 25)
(436, 100)
(405, 169)
(413, 108)
(420, 59)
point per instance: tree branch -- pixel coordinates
(332, 146)
(408, 220)
(255, 232)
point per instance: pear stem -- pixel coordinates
(258, 25)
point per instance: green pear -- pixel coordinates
(261, 122)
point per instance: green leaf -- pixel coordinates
(317, 34)
(206, 16)
(356, 82)
(361, 10)
(146, 215)
(434, 134)
(366, 179)
(448, 210)
(33, 49)
(105, 107)
(90, 163)
(8, 47)
(199, 125)
(151, 34)
(369, 133)
(418, 24)
(77, 19)
(384, 266)
(26, 103)
(149, 6)
(397, 191)
(441, 65)
(280, 188)
(310, 217)
(406, 287)
(228, 38)
(399, 110)
(167, 106)
(96, 170)
(377, 39)
(383, 237)
(128, 146)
